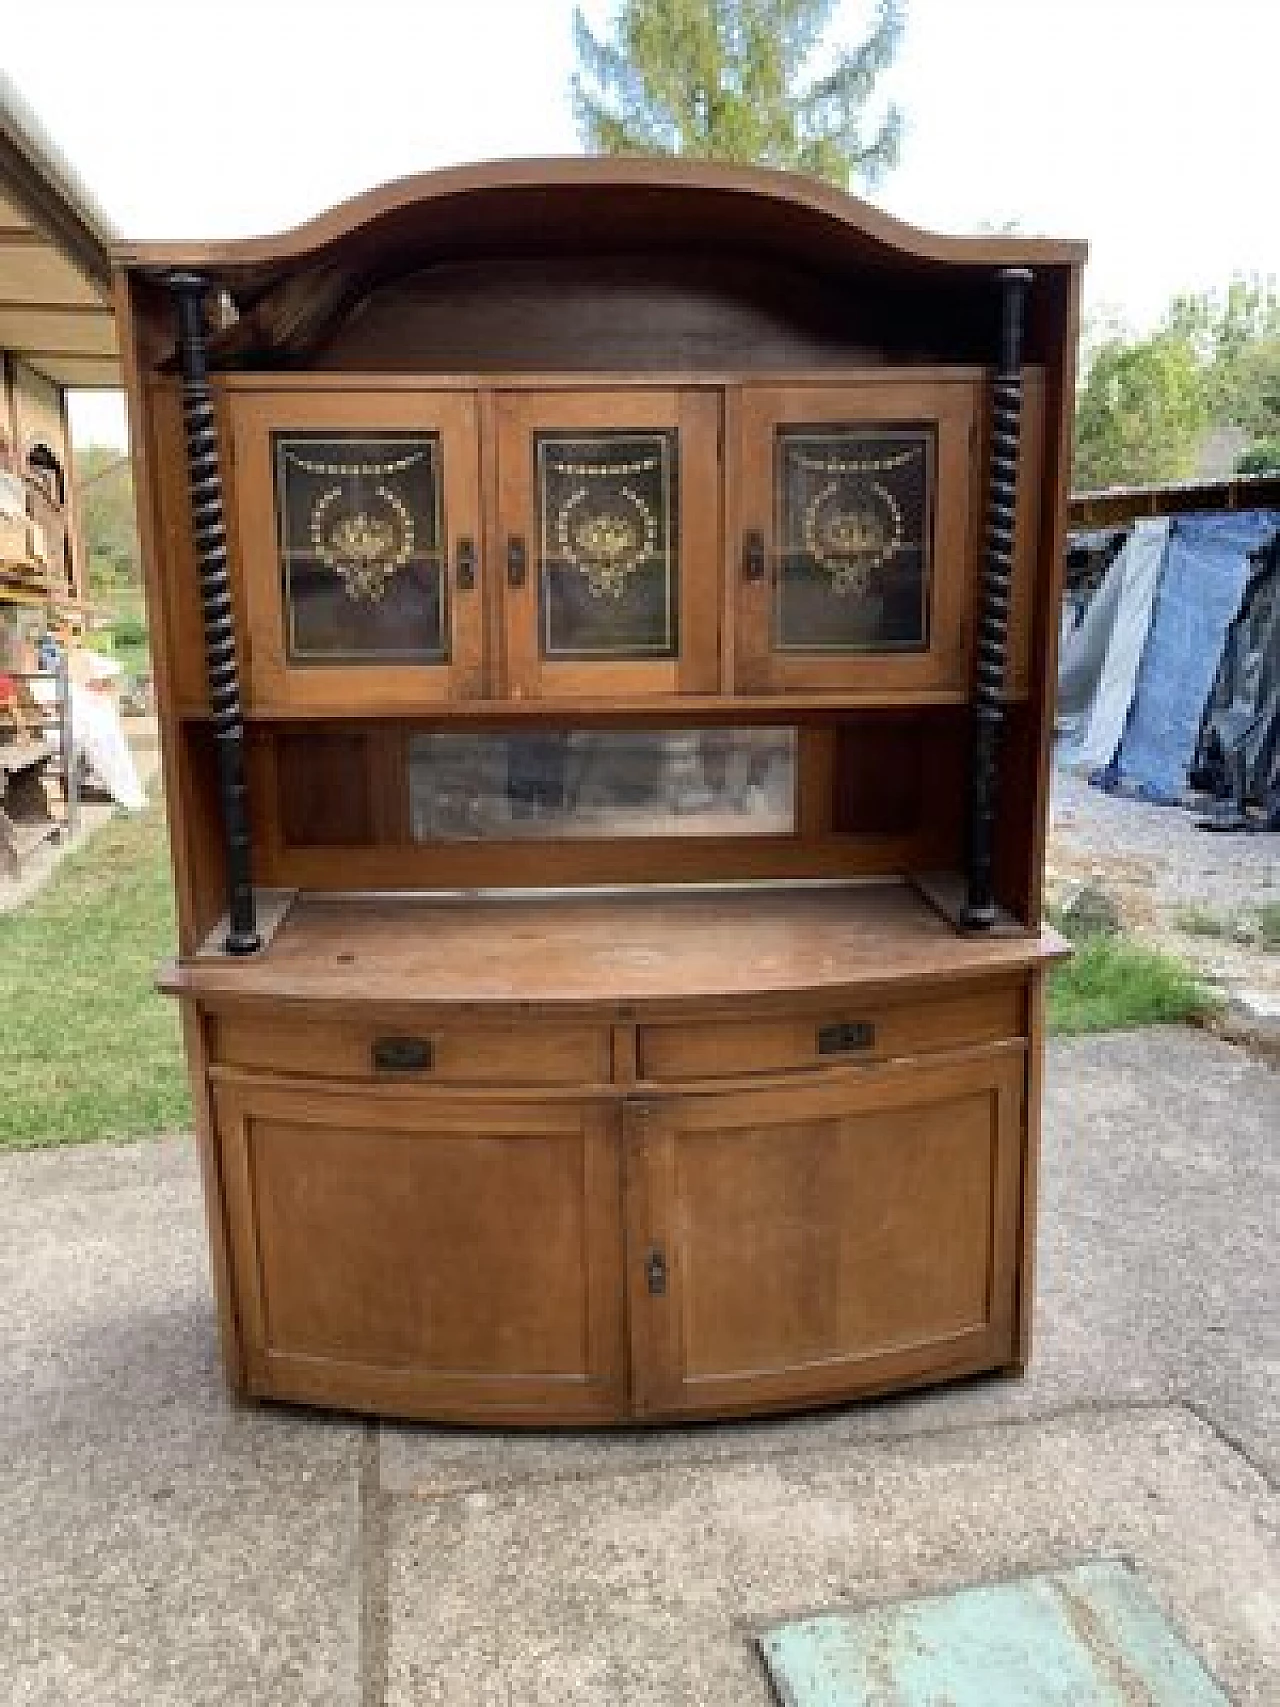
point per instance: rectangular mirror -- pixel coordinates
(602, 783)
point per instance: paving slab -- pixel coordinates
(159, 1544)
(647, 1587)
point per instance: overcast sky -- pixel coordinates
(1149, 127)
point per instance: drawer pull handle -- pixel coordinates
(402, 1055)
(845, 1038)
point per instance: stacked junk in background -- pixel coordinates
(1169, 657)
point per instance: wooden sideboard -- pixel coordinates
(604, 618)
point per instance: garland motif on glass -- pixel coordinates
(606, 545)
(851, 542)
(364, 550)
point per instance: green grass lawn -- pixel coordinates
(1112, 983)
(87, 1047)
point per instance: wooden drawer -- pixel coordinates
(871, 1031)
(390, 1046)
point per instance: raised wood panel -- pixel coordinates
(825, 1240)
(695, 417)
(272, 682)
(433, 1259)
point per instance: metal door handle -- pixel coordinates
(464, 565)
(753, 559)
(655, 1272)
(517, 561)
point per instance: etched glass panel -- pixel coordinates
(854, 533)
(607, 517)
(361, 528)
(602, 783)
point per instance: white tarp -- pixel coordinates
(1098, 665)
(96, 730)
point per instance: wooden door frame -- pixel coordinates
(695, 414)
(601, 1396)
(273, 683)
(652, 1128)
(951, 405)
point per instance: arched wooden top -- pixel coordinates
(556, 206)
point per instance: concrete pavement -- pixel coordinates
(160, 1545)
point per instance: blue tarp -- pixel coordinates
(1205, 570)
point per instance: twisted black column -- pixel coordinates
(204, 482)
(997, 577)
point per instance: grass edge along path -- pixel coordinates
(1112, 983)
(88, 1048)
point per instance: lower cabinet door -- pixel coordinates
(427, 1256)
(788, 1246)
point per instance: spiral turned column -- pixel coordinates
(997, 579)
(204, 483)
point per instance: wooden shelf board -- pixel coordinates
(669, 948)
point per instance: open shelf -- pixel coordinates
(672, 947)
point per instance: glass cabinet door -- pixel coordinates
(357, 524)
(609, 529)
(857, 543)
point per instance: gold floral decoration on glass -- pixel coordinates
(854, 520)
(607, 543)
(360, 519)
(363, 548)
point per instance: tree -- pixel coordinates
(740, 80)
(104, 499)
(1146, 406)
(1260, 458)
(1141, 413)
(1238, 340)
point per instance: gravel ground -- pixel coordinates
(1156, 865)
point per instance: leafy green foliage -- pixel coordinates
(90, 1049)
(1141, 413)
(1146, 405)
(738, 80)
(1237, 338)
(104, 498)
(1112, 983)
(1260, 458)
